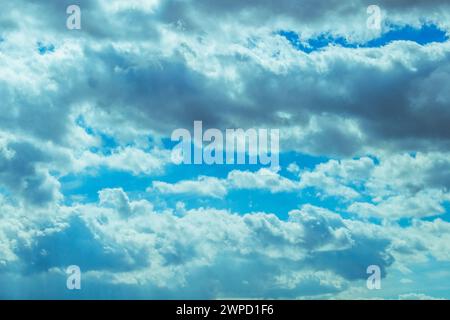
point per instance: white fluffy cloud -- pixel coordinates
(130, 159)
(263, 179)
(128, 242)
(203, 186)
(397, 186)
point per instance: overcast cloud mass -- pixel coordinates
(86, 176)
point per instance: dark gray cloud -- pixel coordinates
(398, 109)
(396, 96)
(76, 242)
(21, 172)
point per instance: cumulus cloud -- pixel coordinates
(123, 241)
(335, 178)
(127, 243)
(109, 95)
(129, 159)
(263, 179)
(23, 171)
(255, 77)
(203, 186)
(397, 186)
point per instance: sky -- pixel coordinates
(86, 171)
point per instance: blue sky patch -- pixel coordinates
(424, 35)
(45, 48)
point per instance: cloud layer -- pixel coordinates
(85, 170)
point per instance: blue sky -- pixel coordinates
(423, 35)
(87, 179)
